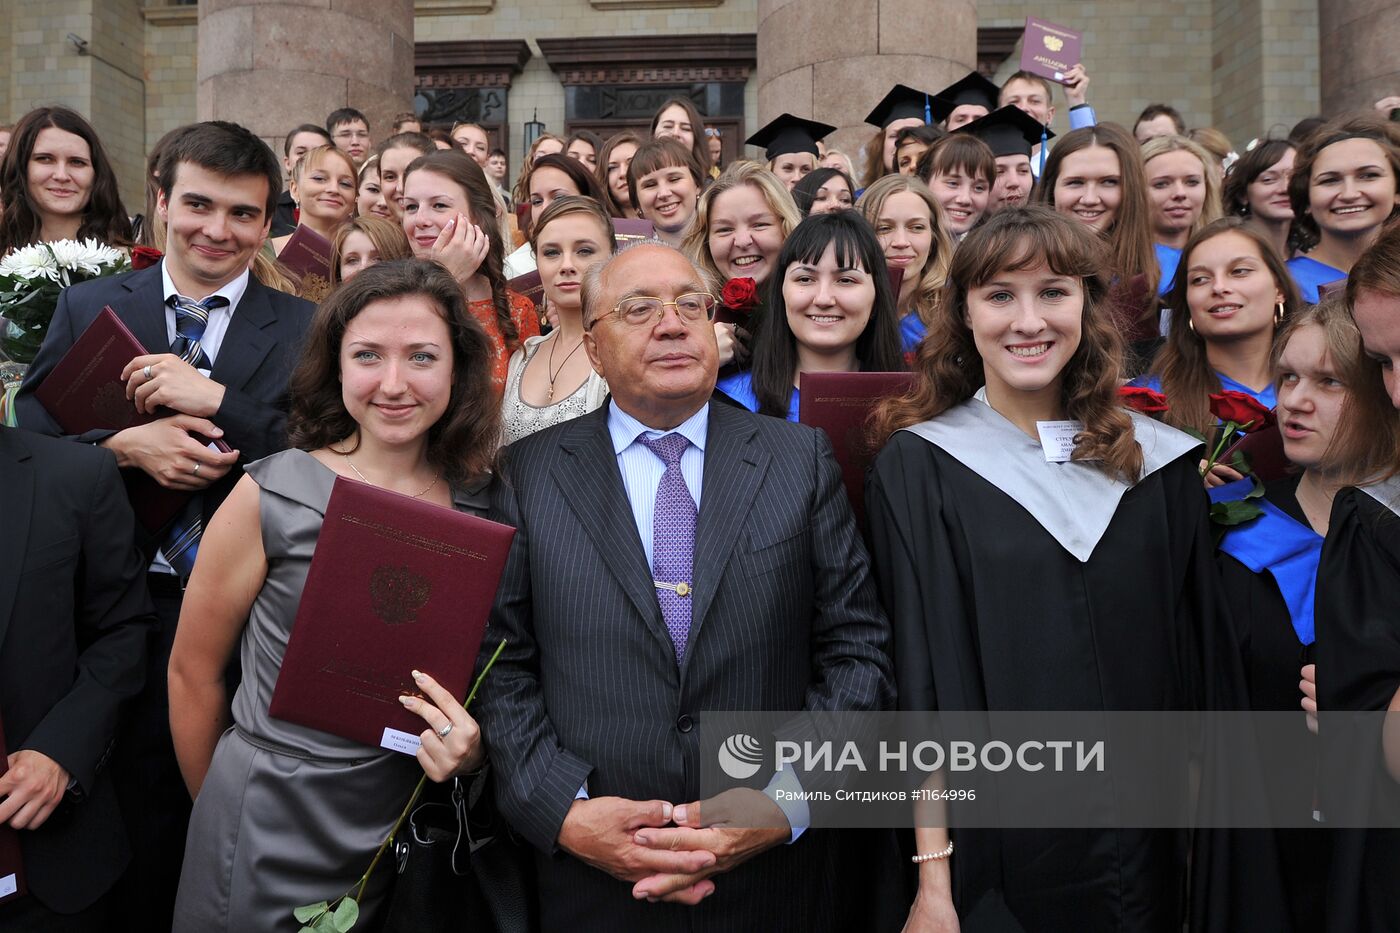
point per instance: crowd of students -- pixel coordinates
(1021, 278)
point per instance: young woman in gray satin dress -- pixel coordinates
(393, 389)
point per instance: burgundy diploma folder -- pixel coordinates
(308, 255)
(626, 229)
(1264, 451)
(11, 861)
(530, 286)
(1049, 50)
(396, 585)
(840, 404)
(85, 392)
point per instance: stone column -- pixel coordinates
(1264, 67)
(1358, 39)
(832, 60)
(273, 65)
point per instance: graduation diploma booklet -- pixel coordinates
(85, 392)
(396, 585)
(840, 404)
(530, 286)
(1049, 50)
(629, 229)
(308, 254)
(11, 864)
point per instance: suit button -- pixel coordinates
(685, 724)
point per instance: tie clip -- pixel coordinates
(680, 589)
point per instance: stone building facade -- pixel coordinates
(1247, 67)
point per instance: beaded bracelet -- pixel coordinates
(933, 856)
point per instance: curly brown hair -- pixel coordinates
(949, 369)
(462, 444)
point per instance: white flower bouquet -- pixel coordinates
(31, 280)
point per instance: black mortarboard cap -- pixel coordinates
(970, 89)
(901, 103)
(787, 134)
(1008, 131)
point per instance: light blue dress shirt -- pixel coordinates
(641, 475)
(1079, 117)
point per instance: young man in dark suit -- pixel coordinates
(74, 618)
(691, 557)
(221, 347)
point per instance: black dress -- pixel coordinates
(995, 608)
(1273, 657)
(1358, 668)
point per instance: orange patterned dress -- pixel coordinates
(527, 324)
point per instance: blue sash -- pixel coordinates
(1278, 543)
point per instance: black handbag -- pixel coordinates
(459, 865)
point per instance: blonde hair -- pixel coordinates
(940, 254)
(314, 157)
(1212, 209)
(696, 243)
(848, 168)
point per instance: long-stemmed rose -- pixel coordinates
(341, 914)
(1238, 413)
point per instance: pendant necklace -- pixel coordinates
(554, 373)
(365, 479)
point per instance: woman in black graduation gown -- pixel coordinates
(1337, 426)
(1358, 635)
(1016, 583)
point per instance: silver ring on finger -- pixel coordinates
(444, 731)
(146, 370)
(195, 471)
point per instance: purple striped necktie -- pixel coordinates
(673, 539)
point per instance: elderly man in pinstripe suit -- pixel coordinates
(672, 557)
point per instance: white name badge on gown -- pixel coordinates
(1057, 439)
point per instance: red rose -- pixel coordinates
(1148, 401)
(1241, 409)
(143, 257)
(740, 294)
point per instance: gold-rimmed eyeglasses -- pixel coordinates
(641, 310)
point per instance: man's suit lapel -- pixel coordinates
(734, 468)
(592, 486)
(143, 310)
(16, 503)
(248, 339)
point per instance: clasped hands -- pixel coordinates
(165, 449)
(670, 853)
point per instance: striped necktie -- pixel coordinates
(191, 317)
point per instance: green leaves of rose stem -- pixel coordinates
(340, 915)
(319, 918)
